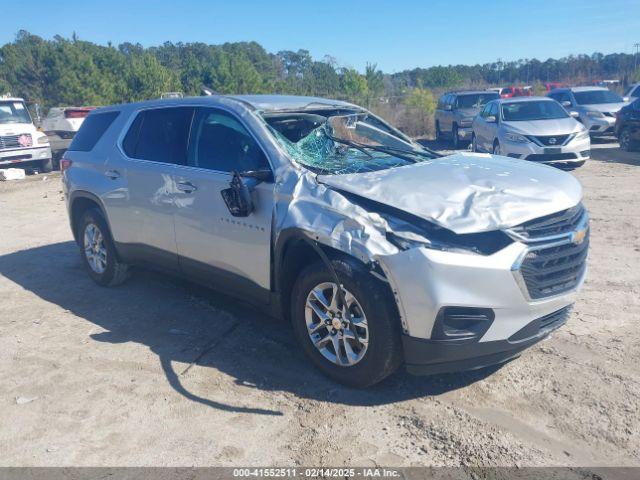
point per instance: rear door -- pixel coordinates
(141, 210)
(233, 253)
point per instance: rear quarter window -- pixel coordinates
(92, 130)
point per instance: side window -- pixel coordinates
(494, 110)
(160, 135)
(636, 92)
(91, 130)
(220, 142)
(485, 110)
(441, 102)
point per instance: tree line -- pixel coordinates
(71, 71)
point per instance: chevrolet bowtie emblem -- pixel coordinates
(578, 236)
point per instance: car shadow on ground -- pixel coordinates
(191, 325)
(607, 150)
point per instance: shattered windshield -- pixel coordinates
(353, 143)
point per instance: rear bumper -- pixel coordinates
(429, 357)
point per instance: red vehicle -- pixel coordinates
(553, 85)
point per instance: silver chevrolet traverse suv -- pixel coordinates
(377, 250)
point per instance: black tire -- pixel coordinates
(384, 352)
(455, 140)
(46, 165)
(496, 147)
(474, 143)
(438, 132)
(625, 141)
(115, 271)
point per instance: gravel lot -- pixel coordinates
(162, 372)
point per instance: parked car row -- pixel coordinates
(555, 129)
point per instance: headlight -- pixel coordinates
(44, 140)
(583, 134)
(421, 233)
(515, 137)
(595, 114)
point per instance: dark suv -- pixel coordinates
(628, 126)
(455, 113)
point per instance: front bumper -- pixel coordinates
(577, 150)
(464, 133)
(425, 281)
(14, 157)
(429, 357)
(599, 126)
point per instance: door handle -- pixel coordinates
(112, 174)
(186, 187)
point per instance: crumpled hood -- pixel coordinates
(467, 192)
(558, 126)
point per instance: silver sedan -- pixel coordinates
(535, 128)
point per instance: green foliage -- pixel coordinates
(74, 72)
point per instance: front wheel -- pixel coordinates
(455, 138)
(496, 148)
(358, 343)
(625, 141)
(438, 132)
(474, 143)
(46, 165)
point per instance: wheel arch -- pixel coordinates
(293, 252)
(79, 203)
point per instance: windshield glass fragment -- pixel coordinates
(341, 144)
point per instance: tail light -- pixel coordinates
(77, 112)
(65, 163)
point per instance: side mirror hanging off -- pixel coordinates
(238, 197)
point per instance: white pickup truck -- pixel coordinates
(21, 144)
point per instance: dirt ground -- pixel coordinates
(161, 372)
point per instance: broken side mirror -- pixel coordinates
(238, 197)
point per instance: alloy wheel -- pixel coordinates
(339, 332)
(95, 249)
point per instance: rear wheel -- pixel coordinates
(496, 147)
(357, 344)
(98, 252)
(474, 144)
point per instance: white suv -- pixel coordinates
(378, 251)
(21, 144)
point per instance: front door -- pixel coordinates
(233, 253)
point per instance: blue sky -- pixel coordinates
(394, 34)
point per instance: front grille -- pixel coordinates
(552, 140)
(564, 222)
(554, 270)
(549, 157)
(609, 114)
(15, 141)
